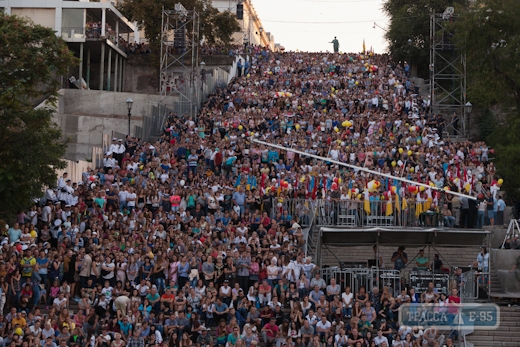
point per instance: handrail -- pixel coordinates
(355, 213)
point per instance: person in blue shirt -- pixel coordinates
(183, 271)
(500, 208)
(239, 199)
(239, 68)
(14, 233)
(220, 310)
(43, 265)
(125, 326)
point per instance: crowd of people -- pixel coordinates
(185, 242)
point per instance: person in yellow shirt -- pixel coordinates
(28, 263)
(19, 321)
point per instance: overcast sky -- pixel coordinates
(309, 25)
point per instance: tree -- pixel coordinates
(410, 20)
(215, 27)
(490, 33)
(31, 145)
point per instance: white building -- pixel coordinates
(253, 31)
(95, 31)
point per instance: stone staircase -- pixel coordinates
(507, 334)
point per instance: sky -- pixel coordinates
(309, 25)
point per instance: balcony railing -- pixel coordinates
(354, 213)
(72, 33)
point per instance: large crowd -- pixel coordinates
(184, 242)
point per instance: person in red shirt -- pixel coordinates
(218, 158)
(264, 293)
(168, 298)
(453, 310)
(265, 220)
(270, 331)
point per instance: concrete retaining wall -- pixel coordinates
(85, 115)
(503, 261)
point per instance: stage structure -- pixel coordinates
(448, 72)
(434, 240)
(179, 68)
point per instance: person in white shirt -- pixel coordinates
(62, 180)
(323, 327)
(380, 340)
(123, 193)
(109, 162)
(60, 302)
(347, 299)
(47, 331)
(113, 147)
(131, 198)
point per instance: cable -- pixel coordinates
(340, 1)
(349, 22)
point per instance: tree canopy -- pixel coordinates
(31, 145)
(410, 20)
(215, 27)
(489, 32)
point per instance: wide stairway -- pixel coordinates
(507, 334)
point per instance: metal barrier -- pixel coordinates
(352, 213)
(302, 208)
(138, 131)
(118, 135)
(72, 33)
(354, 278)
(97, 157)
(369, 278)
(217, 79)
(390, 279)
(476, 281)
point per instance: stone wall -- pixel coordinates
(85, 115)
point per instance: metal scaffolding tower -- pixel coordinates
(447, 72)
(180, 39)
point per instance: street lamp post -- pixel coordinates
(410, 56)
(202, 79)
(468, 107)
(129, 103)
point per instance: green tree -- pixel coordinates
(215, 27)
(31, 145)
(490, 34)
(410, 20)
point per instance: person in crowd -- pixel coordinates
(197, 231)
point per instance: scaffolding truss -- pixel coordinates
(447, 73)
(180, 39)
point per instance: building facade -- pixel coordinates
(97, 33)
(253, 32)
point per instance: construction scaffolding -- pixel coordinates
(447, 73)
(180, 75)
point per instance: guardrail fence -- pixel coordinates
(369, 278)
(352, 213)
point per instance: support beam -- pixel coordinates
(109, 70)
(117, 33)
(123, 76)
(102, 67)
(80, 74)
(116, 82)
(88, 67)
(103, 21)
